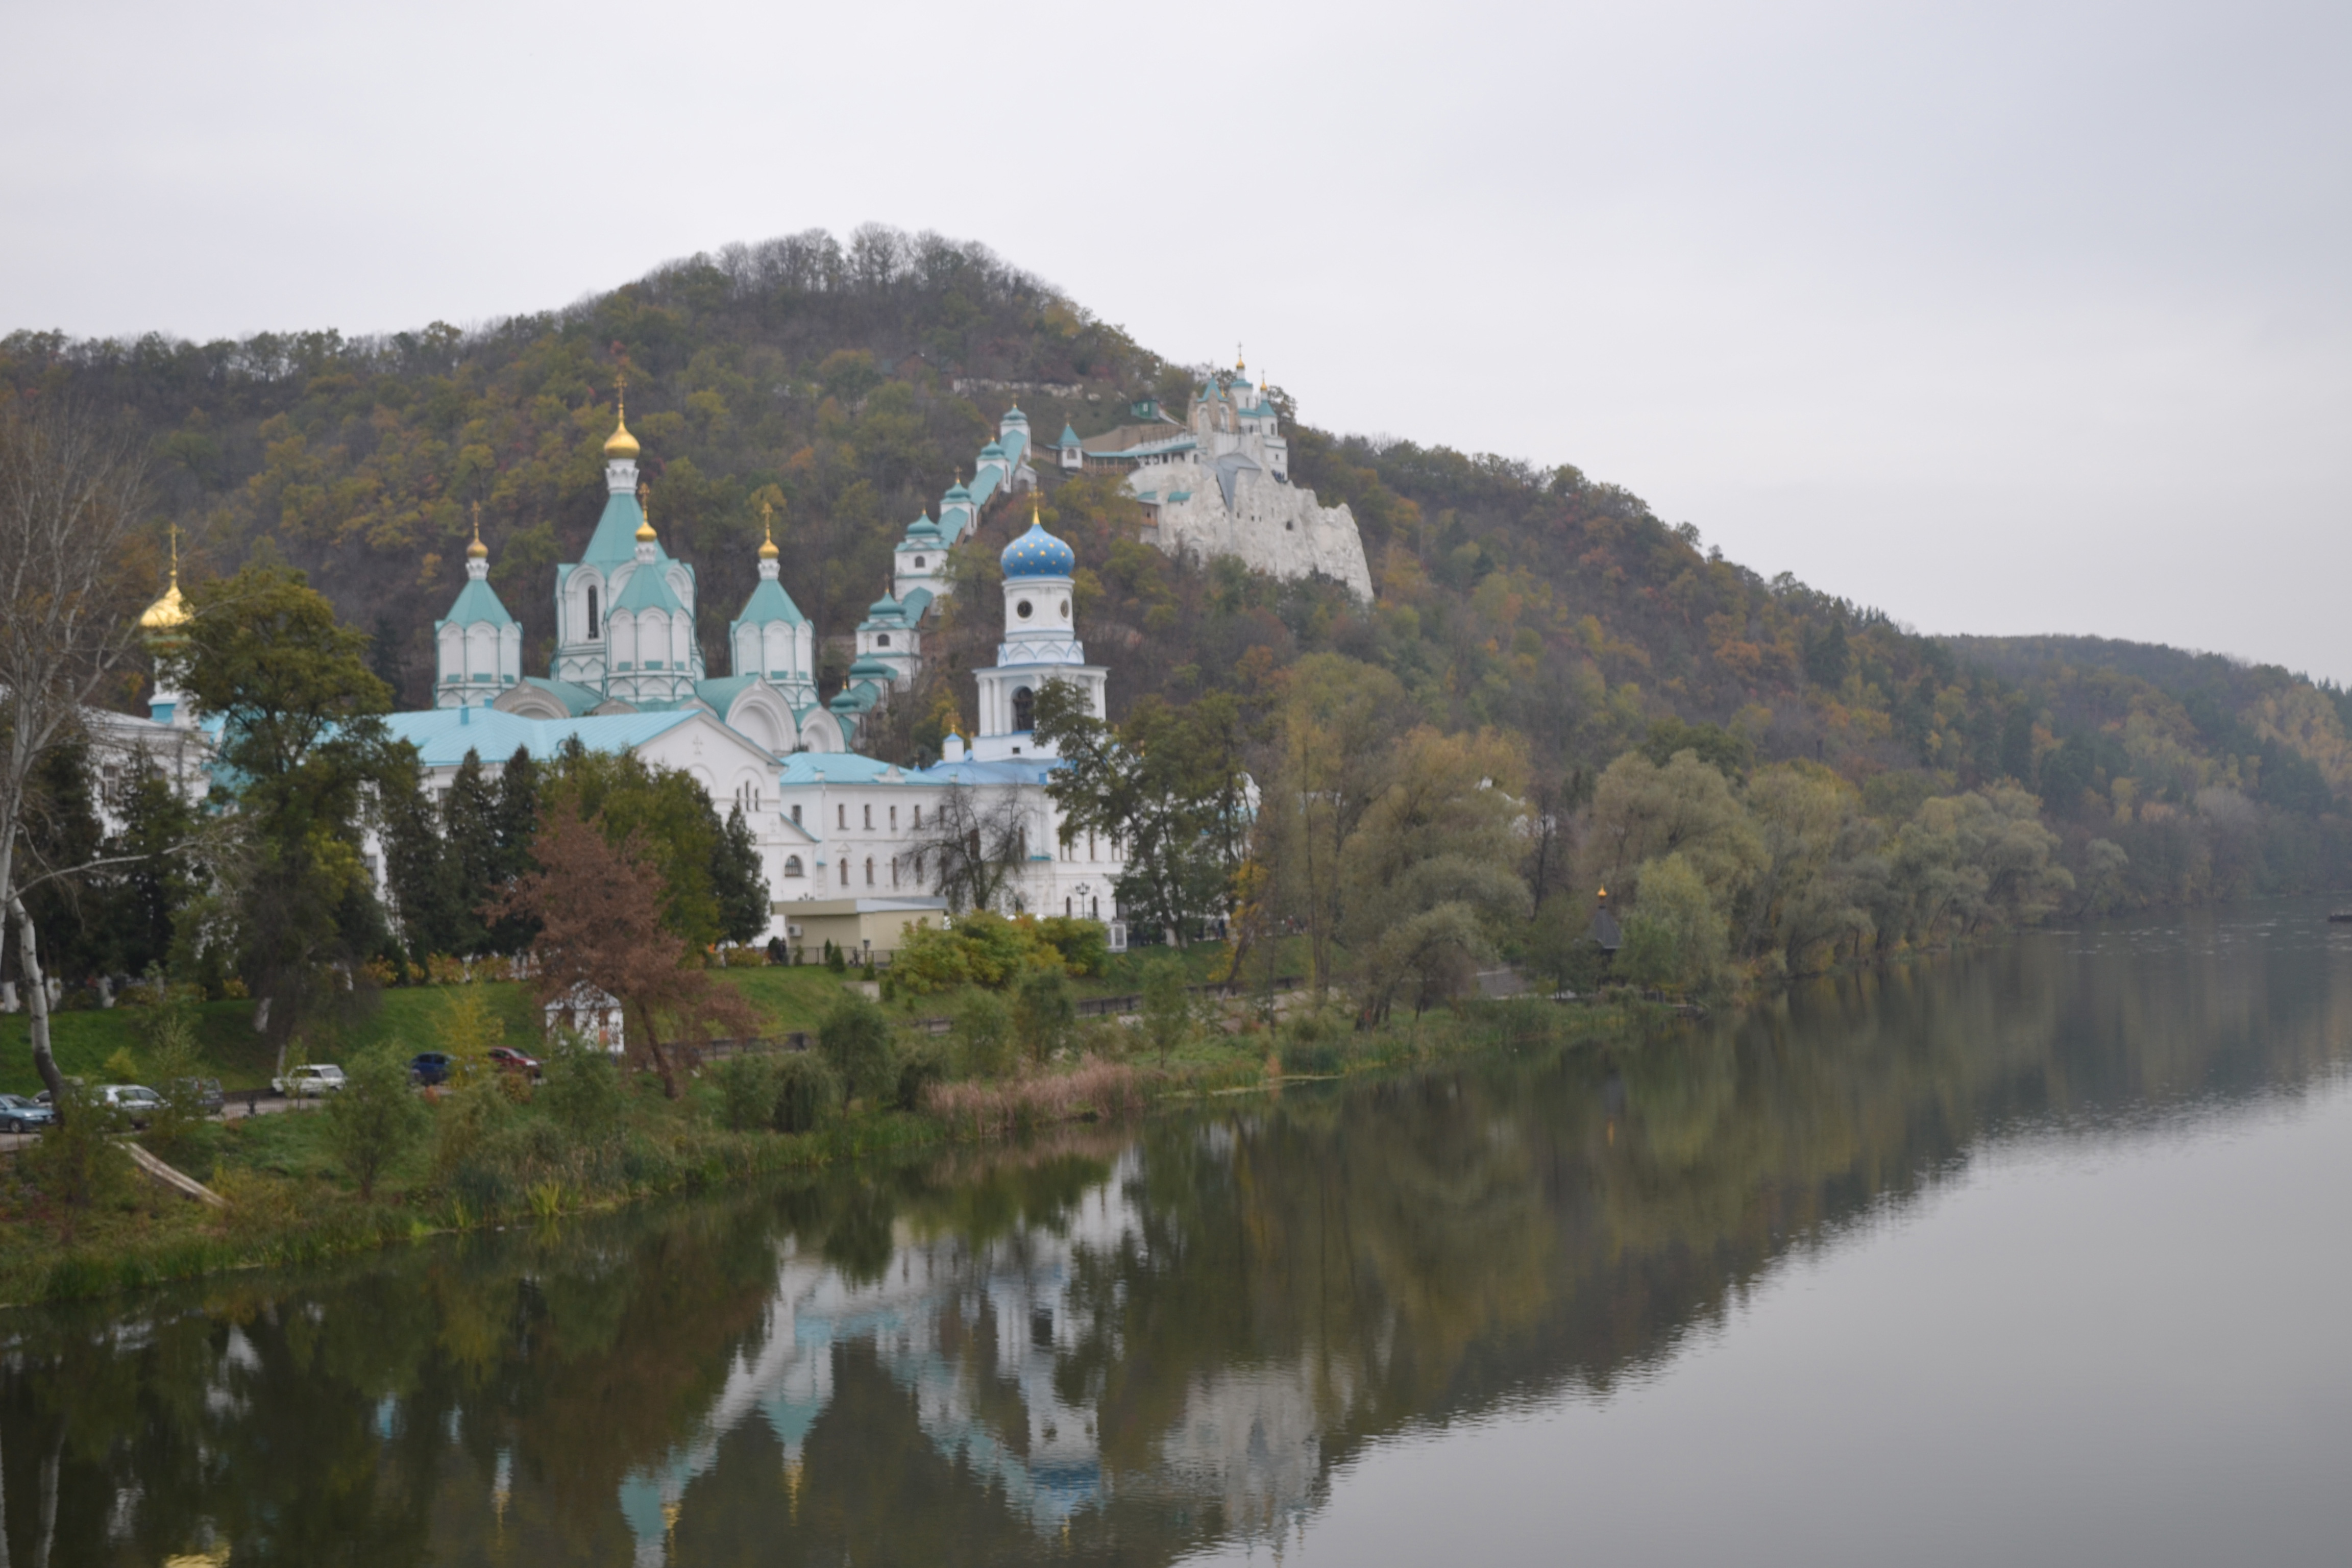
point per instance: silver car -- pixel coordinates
(134, 1102)
(310, 1081)
(18, 1114)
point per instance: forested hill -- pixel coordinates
(848, 381)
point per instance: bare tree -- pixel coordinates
(974, 848)
(70, 488)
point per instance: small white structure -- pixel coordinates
(587, 1014)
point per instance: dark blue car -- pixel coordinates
(429, 1068)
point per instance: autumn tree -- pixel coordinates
(599, 910)
(71, 487)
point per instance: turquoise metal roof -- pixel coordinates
(884, 608)
(616, 539)
(869, 667)
(1038, 554)
(923, 529)
(1069, 435)
(768, 602)
(443, 736)
(917, 602)
(982, 488)
(1014, 412)
(475, 603)
(578, 699)
(992, 450)
(647, 589)
(957, 491)
(721, 693)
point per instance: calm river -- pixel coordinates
(2038, 1255)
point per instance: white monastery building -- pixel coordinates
(842, 837)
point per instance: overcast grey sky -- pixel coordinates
(2006, 317)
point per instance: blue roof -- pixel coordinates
(991, 450)
(1014, 412)
(869, 667)
(1038, 554)
(849, 768)
(647, 589)
(443, 736)
(1069, 435)
(912, 606)
(982, 488)
(577, 698)
(956, 491)
(475, 603)
(923, 529)
(768, 602)
(616, 539)
(885, 607)
(721, 693)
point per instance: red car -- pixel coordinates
(506, 1058)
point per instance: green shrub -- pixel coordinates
(581, 1092)
(1043, 1013)
(983, 1034)
(1084, 944)
(76, 1166)
(375, 1119)
(1167, 1006)
(747, 1093)
(807, 1092)
(855, 1039)
(922, 1063)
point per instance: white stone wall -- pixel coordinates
(1275, 528)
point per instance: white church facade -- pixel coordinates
(839, 834)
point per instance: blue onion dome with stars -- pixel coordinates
(1038, 554)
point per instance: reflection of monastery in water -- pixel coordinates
(1248, 1437)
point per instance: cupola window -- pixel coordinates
(1024, 706)
(592, 613)
(1022, 609)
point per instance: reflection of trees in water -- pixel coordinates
(1151, 1341)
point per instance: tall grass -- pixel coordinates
(1094, 1088)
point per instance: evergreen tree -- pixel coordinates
(142, 897)
(469, 831)
(415, 867)
(737, 881)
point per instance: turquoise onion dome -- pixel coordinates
(885, 606)
(1038, 554)
(923, 529)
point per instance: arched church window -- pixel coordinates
(592, 615)
(882, 639)
(869, 870)
(793, 866)
(1024, 706)
(919, 563)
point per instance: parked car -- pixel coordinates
(506, 1058)
(18, 1114)
(310, 1081)
(43, 1098)
(134, 1102)
(429, 1068)
(198, 1096)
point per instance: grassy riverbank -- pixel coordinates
(499, 1153)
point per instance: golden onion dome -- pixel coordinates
(477, 551)
(645, 533)
(167, 613)
(767, 551)
(170, 613)
(645, 521)
(620, 443)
